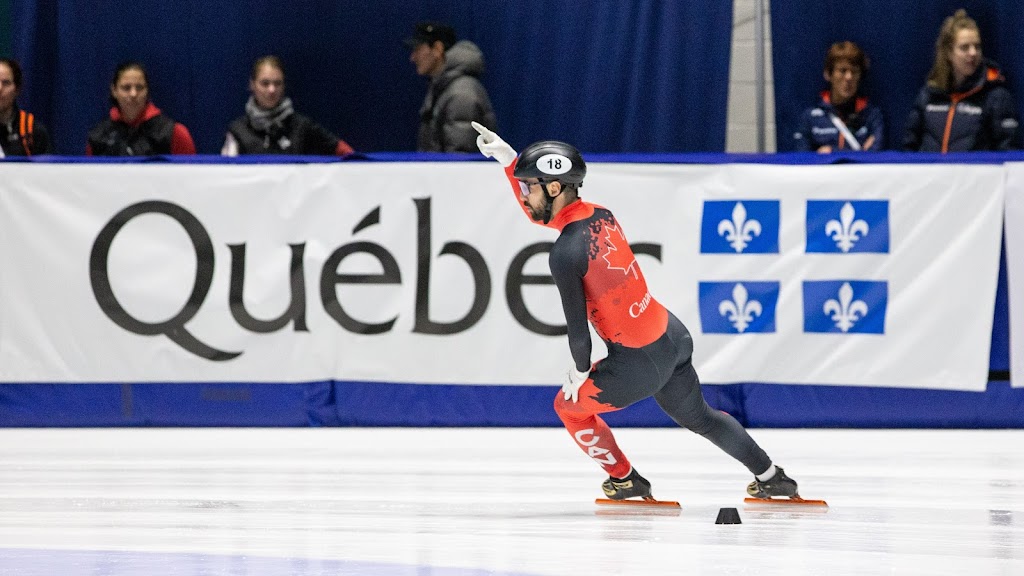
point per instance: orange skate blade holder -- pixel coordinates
(647, 502)
(794, 501)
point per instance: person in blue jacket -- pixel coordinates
(843, 119)
(965, 105)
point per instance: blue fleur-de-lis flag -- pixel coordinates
(845, 306)
(738, 307)
(848, 226)
(740, 227)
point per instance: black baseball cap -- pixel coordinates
(430, 32)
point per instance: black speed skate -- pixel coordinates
(632, 486)
(778, 485)
(634, 491)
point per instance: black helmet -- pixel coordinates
(550, 160)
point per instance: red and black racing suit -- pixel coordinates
(649, 349)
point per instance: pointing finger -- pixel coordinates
(482, 129)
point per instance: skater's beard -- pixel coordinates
(535, 214)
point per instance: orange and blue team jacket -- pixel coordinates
(816, 128)
(978, 115)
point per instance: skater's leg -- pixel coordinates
(682, 400)
(624, 377)
(590, 432)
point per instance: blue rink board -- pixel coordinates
(375, 404)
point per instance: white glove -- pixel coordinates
(492, 146)
(574, 379)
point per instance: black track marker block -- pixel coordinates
(728, 516)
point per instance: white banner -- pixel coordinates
(879, 275)
(1015, 268)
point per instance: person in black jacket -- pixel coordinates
(135, 126)
(455, 97)
(271, 125)
(20, 134)
(965, 105)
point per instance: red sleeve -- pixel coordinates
(181, 141)
(343, 148)
(88, 149)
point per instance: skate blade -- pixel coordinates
(795, 501)
(645, 503)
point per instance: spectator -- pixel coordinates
(455, 97)
(136, 127)
(20, 134)
(965, 104)
(842, 119)
(271, 125)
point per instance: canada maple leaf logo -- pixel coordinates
(616, 258)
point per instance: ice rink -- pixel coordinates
(468, 502)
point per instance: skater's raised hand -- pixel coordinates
(492, 146)
(574, 380)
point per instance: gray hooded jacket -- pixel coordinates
(455, 98)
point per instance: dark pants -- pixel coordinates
(662, 369)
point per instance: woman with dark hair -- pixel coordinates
(271, 125)
(965, 105)
(843, 119)
(20, 134)
(136, 127)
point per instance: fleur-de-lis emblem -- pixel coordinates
(846, 311)
(739, 231)
(739, 310)
(846, 231)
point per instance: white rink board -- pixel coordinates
(939, 272)
(1015, 268)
